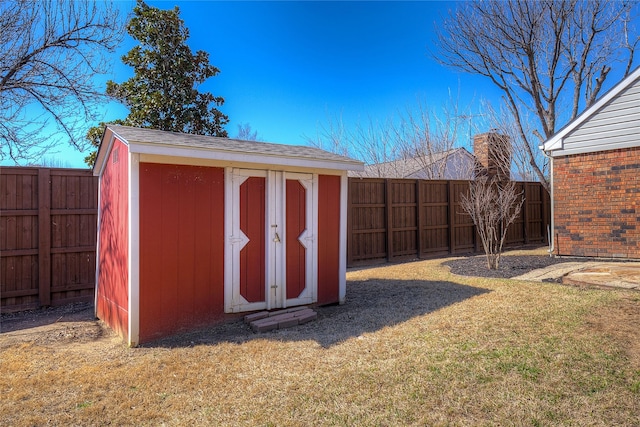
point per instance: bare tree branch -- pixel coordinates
(246, 133)
(549, 58)
(50, 50)
(418, 143)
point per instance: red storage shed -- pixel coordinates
(191, 228)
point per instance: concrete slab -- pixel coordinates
(625, 275)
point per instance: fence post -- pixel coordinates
(44, 236)
(452, 245)
(419, 218)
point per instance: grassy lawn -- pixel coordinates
(425, 347)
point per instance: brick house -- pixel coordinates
(595, 177)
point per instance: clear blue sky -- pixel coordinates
(286, 67)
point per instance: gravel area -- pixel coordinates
(515, 265)
(510, 265)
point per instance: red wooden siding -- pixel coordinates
(296, 225)
(112, 292)
(181, 248)
(252, 224)
(328, 238)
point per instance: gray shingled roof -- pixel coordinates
(173, 139)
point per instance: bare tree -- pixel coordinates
(494, 205)
(501, 121)
(429, 139)
(549, 58)
(246, 133)
(331, 136)
(418, 139)
(50, 51)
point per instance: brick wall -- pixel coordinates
(597, 197)
(493, 155)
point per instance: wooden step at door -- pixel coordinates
(267, 321)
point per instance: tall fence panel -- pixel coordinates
(395, 219)
(367, 220)
(47, 236)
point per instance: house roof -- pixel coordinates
(410, 166)
(164, 143)
(556, 142)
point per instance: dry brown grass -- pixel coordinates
(414, 345)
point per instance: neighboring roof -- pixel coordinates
(152, 141)
(556, 142)
(411, 167)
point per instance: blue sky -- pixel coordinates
(287, 67)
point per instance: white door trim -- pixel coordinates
(275, 238)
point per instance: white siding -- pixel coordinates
(615, 125)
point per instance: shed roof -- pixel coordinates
(152, 141)
(556, 142)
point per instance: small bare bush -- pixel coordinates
(493, 205)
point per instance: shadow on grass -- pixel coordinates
(370, 306)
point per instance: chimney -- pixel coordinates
(493, 155)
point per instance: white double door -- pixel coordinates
(271, 240)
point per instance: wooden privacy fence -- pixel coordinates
(47, 236)
(395, 219)
(48, 221)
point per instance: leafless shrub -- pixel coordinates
(493, 205)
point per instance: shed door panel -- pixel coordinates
(245, 279)
(296, 223)
(252, 224)
(300, 222)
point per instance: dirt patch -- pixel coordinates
(76, 312)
